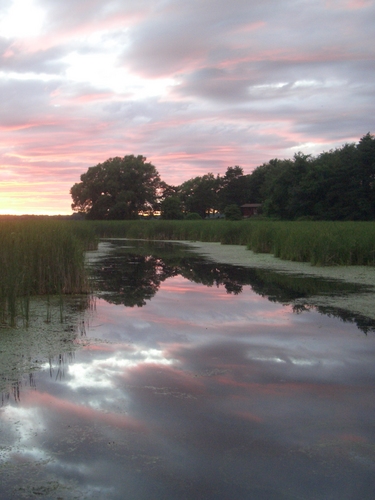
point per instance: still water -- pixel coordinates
(185, 379)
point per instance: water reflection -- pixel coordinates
(131, 274)
(24, 350)
(198, 394)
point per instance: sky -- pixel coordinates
(195, 86)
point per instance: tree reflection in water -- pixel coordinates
(131, 279)
(131, 275)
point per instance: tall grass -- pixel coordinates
(321, 243)
(195, 230)
(40, 257)
(326, 243)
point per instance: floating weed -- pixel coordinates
(25, 350)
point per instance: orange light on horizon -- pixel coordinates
(24, 202)
(19, 212)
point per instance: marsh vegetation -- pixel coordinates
(40, 257)
(318, 242)
(47, 257)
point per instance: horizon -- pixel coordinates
(193, 87)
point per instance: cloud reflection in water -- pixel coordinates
(202, 394)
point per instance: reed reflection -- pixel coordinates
(48, 339)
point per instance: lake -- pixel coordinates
(180, 378)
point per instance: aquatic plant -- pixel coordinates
(321, 243)
(40, 257)
(317, 242)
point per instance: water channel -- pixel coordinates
(180, 378)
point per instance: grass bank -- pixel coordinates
(40, 257)
(321, 243)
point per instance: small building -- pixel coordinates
(250, 209)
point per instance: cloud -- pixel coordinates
(193, 86)
(42, 62)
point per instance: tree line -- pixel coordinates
(335, 185)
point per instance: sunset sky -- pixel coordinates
(193, 85)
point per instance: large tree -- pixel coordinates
(119, 188)
(171, 208)
(336, 185)
(234, 188)
(200, 194)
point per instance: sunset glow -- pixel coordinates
(194, 87)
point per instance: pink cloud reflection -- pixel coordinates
(51, 404)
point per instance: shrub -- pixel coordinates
(193, 216)
(233, 212)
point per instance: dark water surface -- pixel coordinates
(185, 379)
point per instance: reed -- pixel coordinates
(40, 257)
(326, 243)
(321, 243)
(196, 230)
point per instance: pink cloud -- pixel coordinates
(223, 106)
(348, 4)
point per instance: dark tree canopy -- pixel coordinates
(119, 188)
(199, 194)
(234, 188)
(171, 208)
(335, 185)
(233, 212)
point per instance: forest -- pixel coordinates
(335, 185)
